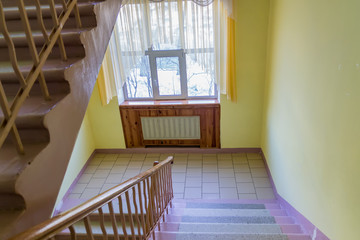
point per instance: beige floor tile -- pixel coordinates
(79, 188)
(178, 177)
(85, 178)
(241, 168)
(178, 195)
(106, 165)
(252, 156)
(193, 182)
(90, 193)
(210, 168)
(125, 155)
(96, 183)
(211, 196)
(228, 193)
(135, 164)
(107, 186)
(153, 155)
(243, 177)
(225, 163)
(178, 187)
(100, 155)
(247, 196)
(194, 164)
(194, 193)
(95, 161)
(194, 172)
(118, 169)
(256, 164)
(258, 172)
(224, 156)
(227, 182)
(226, 172)
(114, 178)
(262, 182)
(193, 156)
(245, 188)
(179, 168)
(265, 193)
(90, 169)
(240, 160)
(210, 187)
(241, 155)
(210, 177)
(101, 173)
(122, 161)
(109, 157)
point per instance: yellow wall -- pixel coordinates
(241, 121)
(83, 148)
(106, 122)
(311, 128)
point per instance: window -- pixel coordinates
(167, 50)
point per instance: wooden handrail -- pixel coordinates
(51, 227)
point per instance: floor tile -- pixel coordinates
(227, 182)
(247, 196)
(106, 165)
(96, 183)
(101, 173)
(228, 193)
(194, 164)
(74, 196)
(193, 182)
(135, 164)
(95, 161)
(224, 163)
(114, 178)
(262, 182)
(211, 196)
(90, 193)
(256, 164)
(210, 168)
(210, 187)
(179, 168)
(178, 187)
(252, 156)
(118, 169)
(245, 188)
(224, 156)
(85, 178)
(259, 172)
(194, 193)
(100, 155)
(107, 186)
(210, 177)
(79, 188)
(90, 169)
(178, 177)
(242, 168)
(194, 156)
(243, 177)
(125, 155)
(122, 161)
(194, 172)
(149, 155)
(265, 193)
(110, 157)
(178, 195)
(227, 172)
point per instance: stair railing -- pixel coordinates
(150, 193)
(11, 110)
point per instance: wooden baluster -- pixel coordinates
(150, 207)
(63, 3)
(123, 220)
(131, 221)
(102, 225)
(56, 23)
(72, 233)
(41, 20)
(89, 233)
(32, 48)
(142, 211)
(171, 187)
(113, 221)
(157, 198)
(77, 15)
(163, 195)
(160, 193)
(147, 216)
(11, 47)
(136, 211)
(7, 113)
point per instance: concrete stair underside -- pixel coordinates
(210, 220)
(30, 120)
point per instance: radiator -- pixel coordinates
(160, 128)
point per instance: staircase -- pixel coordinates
(205, 220)
(29, 182)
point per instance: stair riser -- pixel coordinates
(95, 236)
(19, 40)
(31, 136)
(63, 87)
(56, 75)
(43, 2)
(24, 53)
(17, 26)
(13, 13)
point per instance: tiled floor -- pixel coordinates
(206, 176)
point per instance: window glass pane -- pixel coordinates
(168, 72)
(200, 79)
(138, 81)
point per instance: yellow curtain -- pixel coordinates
(231, 90)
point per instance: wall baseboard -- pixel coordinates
(58, 207)
(180, 150)
(307, 226)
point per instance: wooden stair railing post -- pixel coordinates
(41, 20)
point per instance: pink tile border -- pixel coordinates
(308, 227)
(181, 150)
(72, 186)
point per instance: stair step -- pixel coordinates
(53, 69)
(55, 88)
(44, 2)
(224, 219)
(200, 212)
(226, 205)
(12, 12)
(71, 37)
(227, 236)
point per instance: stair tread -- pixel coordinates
(33, 110)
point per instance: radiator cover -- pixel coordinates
(161, 128)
